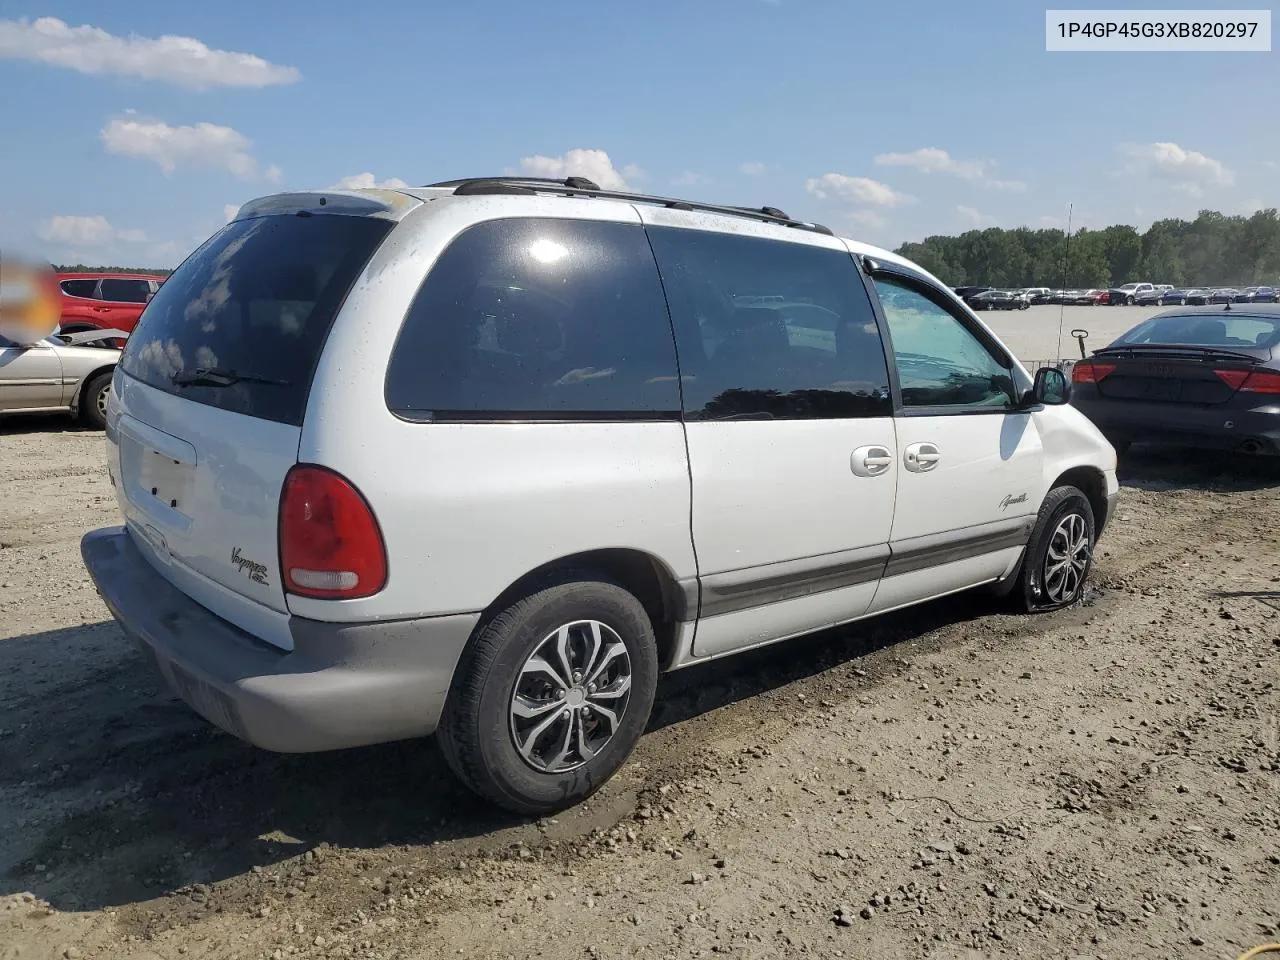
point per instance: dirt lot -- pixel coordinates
(952, 782)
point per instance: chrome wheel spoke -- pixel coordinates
(537, 665)
(527, 708)
(608, 715)
(580, 726)
(531, 740)
(619, 688)
(564, 654)
(611, 654)
(566, 744)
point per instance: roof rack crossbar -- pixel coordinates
(579, 186)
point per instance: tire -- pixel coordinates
(1128, 301)
(479, 729)
(1064, 516)
(93, 401)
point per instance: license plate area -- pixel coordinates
(164, 479)
(159, 473)
(1163, 389)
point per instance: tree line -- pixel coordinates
(86, 268)
(1214, 249)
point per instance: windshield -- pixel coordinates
(1201, 330)
(253, 304)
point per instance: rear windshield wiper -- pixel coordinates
(218, 377)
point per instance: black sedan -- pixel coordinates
(1224, 295)
(1259, 295)
(1205, 377)
(997, 300)
(1171, 298)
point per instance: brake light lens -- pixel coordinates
(331, 547)
(1233, 378)
(1262, 381)
(1089, 371)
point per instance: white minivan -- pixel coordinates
(484, 458)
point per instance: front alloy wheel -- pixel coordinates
(1059, 554)
(1067, 560)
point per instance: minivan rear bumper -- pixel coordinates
(343, 685)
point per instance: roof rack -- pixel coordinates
(581, 186)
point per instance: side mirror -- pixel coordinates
(1050, 387)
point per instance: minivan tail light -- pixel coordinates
(1089, 371)
(330, 545)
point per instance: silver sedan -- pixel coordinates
(63, 373)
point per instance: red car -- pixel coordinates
(104, 301)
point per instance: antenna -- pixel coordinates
(1062, 307)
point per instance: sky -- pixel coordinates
(130, 131)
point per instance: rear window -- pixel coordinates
(538, 319)
(79, 288)
(251, 308)
(120, 290)
(1201, 330)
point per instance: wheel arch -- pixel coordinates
(1093, 484)
(648, 578)
(105, 368)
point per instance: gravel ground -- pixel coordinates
(952, 781)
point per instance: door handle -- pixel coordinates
(871, 461)
(921, 457)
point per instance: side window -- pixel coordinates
(80, 288)
(940, 362)
(770, 329)
(125, 291)
(542, 319)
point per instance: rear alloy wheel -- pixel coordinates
(1059, 555)
(94, 396)
(1128, 301)
(551, 696)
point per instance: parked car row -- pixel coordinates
(1128, 294)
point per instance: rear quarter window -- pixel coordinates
(80, 288)
(538, 319)
(254, 304)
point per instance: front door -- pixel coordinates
(789, 427)
(970, 458)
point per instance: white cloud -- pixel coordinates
(367, 181)
(837, 186)
(199, 145)
(937, 160)
(867, 218)
(752, 168)
(85, 231)
(595, 165)
(184, 61)
(1187, 170)
(973, 217)
(230, 211)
